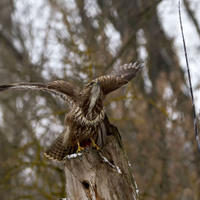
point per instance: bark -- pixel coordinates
(103, 174)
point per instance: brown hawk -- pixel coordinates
(85, 123)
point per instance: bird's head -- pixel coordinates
(91, 93)
(92, 86)
(95, 93)
(94, 89)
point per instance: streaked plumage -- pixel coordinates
(85, 122)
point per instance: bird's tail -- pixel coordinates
(57, 151)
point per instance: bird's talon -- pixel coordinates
(94, 144)
(79, 148)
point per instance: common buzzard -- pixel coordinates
(85, 123)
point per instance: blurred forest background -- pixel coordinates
(76, 40)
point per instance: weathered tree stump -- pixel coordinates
(103, 174)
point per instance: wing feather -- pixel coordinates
(119, 77)
(59, 148)
(59, 88)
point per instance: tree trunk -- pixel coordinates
(103, 174)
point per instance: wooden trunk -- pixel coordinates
(103, 174)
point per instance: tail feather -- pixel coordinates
(57, 151)
(101, 135)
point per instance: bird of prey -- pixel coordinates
(84, 124)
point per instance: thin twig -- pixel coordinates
(189, 77)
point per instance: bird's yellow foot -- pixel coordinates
(94, 144)
(79, 148)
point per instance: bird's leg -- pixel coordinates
(94, 144)
(79, 148)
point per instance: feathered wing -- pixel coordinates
(119, 77)
(60, 88)
(59, 148)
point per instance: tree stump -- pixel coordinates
(103, 174)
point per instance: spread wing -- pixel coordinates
(59, 88)
(119, 77)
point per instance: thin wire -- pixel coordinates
(189, 77)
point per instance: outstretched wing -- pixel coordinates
(119, 77)
(60, 88)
